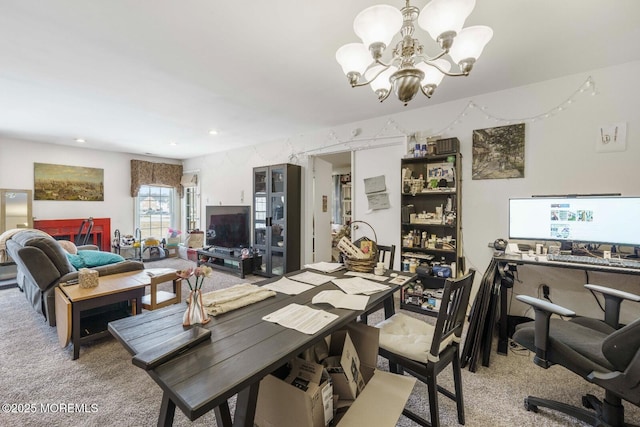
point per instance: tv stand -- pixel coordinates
(226, 262)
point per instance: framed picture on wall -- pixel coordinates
(60, 182)
(498, 152)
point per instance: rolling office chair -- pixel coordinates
(386, 254)
(598, 350)
(424, 350)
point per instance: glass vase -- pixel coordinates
(195, 313)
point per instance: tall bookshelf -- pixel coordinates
(431, 223)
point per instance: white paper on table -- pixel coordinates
(359, 285)
(325, 267)
(312, 278)
(370, 276)
(301, 318)
(339, 299)
(289, 287)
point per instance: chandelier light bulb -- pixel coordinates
(433, 76)
(377, 24)
(353, 58)
(440, 17)
(468, 46)
(382, 80)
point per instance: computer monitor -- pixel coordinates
(587, 219)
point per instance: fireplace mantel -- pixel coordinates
(68, 229)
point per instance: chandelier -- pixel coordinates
(409, 70)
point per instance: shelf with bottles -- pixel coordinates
(417, 298)
(421, 240)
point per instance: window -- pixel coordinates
(156, 211)
(192, 216)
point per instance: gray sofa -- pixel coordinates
(42, 264)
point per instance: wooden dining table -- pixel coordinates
(242, 349)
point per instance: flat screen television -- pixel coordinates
(588, 219)
(229, 226)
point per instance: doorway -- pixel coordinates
(332, 202)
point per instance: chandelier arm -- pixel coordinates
(364, 83)
(446, 73)
(426, 58)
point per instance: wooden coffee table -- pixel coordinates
(72, 300)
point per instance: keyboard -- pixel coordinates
(606, 262)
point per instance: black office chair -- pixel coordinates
(598, 350)
(386, 255)
(434, 349)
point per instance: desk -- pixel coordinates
(503, 338)
(491, 302)
(243, 349)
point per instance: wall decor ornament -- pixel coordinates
(60, 182)
(612, 137)
(498, 152)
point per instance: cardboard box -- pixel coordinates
(171, 251)
(357, 347)
(381, 402)
(343, 364)
(381, 396)
(303, 399)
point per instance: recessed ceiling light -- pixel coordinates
(173, 143)
(213, 132)
(80, 141)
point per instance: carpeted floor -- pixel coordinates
(102, 388)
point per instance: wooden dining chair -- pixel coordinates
(386, 255)
(424, 350)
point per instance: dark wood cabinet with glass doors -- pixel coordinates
(276, 218)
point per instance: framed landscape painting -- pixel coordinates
(59, 182)
(498, 152)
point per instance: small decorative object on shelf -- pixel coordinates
(173, 238)
(195, 313)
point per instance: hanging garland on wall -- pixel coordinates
(588, 86)
(392, 130)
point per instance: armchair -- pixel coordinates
(42, 264)
(600, 351)
(424, 350)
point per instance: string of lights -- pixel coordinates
(587, 86)
(392, 130)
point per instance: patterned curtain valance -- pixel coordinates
(149, 173)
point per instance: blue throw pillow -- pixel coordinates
(88, 259)
(76, 261)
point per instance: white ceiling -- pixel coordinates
(134, 75)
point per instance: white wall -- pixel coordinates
(16, 171)
(560, 155)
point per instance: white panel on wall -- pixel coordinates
(376, 162)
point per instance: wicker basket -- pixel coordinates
(363, 265)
